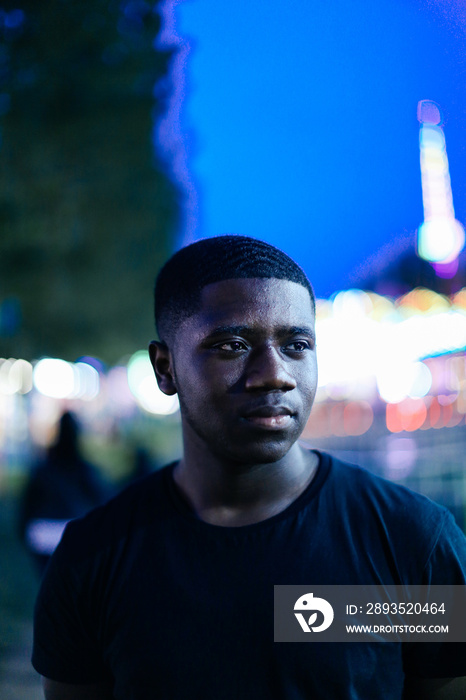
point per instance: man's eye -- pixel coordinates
(298, 346)
(231, 346)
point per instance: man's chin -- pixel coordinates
(251, 455)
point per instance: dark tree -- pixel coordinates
(87, 205)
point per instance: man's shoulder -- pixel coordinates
(130, 510)
(406, 528)
(374, 493)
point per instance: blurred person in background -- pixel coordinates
(167, 591)
(62, 486)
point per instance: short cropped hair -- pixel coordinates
(180, 281)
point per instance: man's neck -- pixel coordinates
(232, 495)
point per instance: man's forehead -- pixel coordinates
(250, 286)
(255, 297)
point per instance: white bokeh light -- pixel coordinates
(440, 240)
(421, 381)
(143, 385)
(87, 381)
(54, 378)
(399, 379)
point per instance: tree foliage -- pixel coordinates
(87, 206)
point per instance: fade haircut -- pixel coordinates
(181, 280)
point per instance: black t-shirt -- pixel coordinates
(166, 606)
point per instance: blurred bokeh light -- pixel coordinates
(395, 364)
(143, 385)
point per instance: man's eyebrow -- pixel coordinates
(229, 330)
(299, 330)
(244, 329)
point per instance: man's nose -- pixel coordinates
(267, 370)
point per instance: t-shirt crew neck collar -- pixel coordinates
(301, 501)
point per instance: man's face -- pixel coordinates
(244, 367)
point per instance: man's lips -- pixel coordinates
(274, 417)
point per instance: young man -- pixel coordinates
(167, 592)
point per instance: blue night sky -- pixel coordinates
(299, 122)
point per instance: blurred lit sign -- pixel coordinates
(441, 237)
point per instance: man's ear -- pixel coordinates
(162, 363)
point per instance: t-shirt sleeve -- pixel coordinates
(65, 647)
(446, 566)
